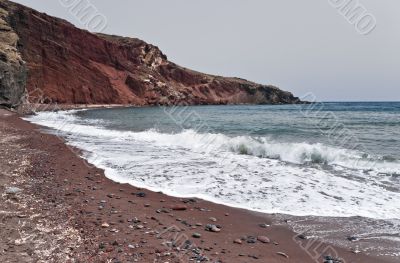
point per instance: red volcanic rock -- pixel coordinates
(73, 66)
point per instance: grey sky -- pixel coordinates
(300, 46)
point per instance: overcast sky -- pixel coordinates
(300, 46)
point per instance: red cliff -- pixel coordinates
(73, 66)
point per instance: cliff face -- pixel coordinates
(69, 65)
(12, 67)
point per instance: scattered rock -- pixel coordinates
(196, 235)
(115, 243)
(251, 240)
(329, 259)
(263, 239)
(141, 194)
(179, 207)
(237, 241)
(264, 225)
(352, 238)
(105, 225)
(212, 228)
(282, 254)
(302, 236)
(13, 190)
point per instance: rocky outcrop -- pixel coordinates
(72, 66)
(12, 67)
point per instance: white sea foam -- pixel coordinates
(248, 172)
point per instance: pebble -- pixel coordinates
(105, 225)
(213, 219)
(251, 240)
(302, 236)
(13, 190)
(263, 239)
(282, 254)
(352, 238)
(212, 228)
(264, 225)
(141, 194)
(179, 207)
(237, 241)
(196, 235)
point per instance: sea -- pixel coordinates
(336, 162)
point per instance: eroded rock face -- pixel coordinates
(12, 67)
(73, 66)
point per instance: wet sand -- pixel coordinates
(67, 211)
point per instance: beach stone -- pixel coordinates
(102, 246)
(263, 225)
(196, 235)
(237, 241)
(213, 219)
(115, 243)
(251, 240)
(179, 207)
(329, 259)
(105, 225)
(263, 239)
(302, 236)
(13, 190)
(282, 254)
(212, 228)
(141, 194)
(352, 238)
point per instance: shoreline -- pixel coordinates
(124, 222)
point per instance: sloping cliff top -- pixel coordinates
(68, 65)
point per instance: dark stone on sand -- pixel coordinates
(302, 236)
(352, 238)
(330, 259)
(179, 207)
(251, 240)
(196, 235)
(141, 194)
